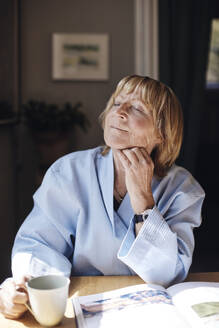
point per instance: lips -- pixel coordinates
(117, 128)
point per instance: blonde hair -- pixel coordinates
(167, 116)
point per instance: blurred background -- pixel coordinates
(42, 117)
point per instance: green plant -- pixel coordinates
(43, 117)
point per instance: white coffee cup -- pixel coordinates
(48, 296)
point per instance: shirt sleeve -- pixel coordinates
(43, 244)
(162, 251)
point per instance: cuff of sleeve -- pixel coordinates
(5, 281)
(20, 265)
(155, 229)
(154, 238)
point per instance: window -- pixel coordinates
(212, 76)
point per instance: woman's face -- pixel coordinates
(129, 123)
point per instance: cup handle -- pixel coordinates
(29, 307)
(27, 304)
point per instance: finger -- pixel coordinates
(124, 159)
(15, 314)
(19, 308)
(8, 315)
(132, 156)
(20, 297)
(22, 289)
(15, 309)
(145, 152)
(147, 156)
(10, 309)
(17, 296)
(140, 154)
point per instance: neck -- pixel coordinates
(119, 178)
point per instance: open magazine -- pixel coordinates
(184, 305)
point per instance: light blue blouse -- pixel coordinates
(74, 230)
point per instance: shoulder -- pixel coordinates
(180, 178)
(73, 166)
(177, 191)
(79, 159)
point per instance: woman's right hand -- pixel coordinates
(13, 297)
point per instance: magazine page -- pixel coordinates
(198, 302)
(136, 306)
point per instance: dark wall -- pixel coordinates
(8, 194)
(6, 50)
(38, 20)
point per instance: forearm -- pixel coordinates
(40, 261)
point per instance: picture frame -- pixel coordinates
(80, 56)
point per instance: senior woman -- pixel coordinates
(121, 209)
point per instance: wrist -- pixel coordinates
(141, 201)
(142, 217)
(143, 207)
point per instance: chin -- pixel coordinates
(114, 143)
(117, 146)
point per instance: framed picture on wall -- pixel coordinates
(80, 56)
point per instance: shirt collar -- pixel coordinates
(106, 181)
(106, 174)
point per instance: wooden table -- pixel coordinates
(91, 285)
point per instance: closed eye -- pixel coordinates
(137, 109)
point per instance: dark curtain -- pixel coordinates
(184, 35)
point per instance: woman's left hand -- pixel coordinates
(139, 170)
